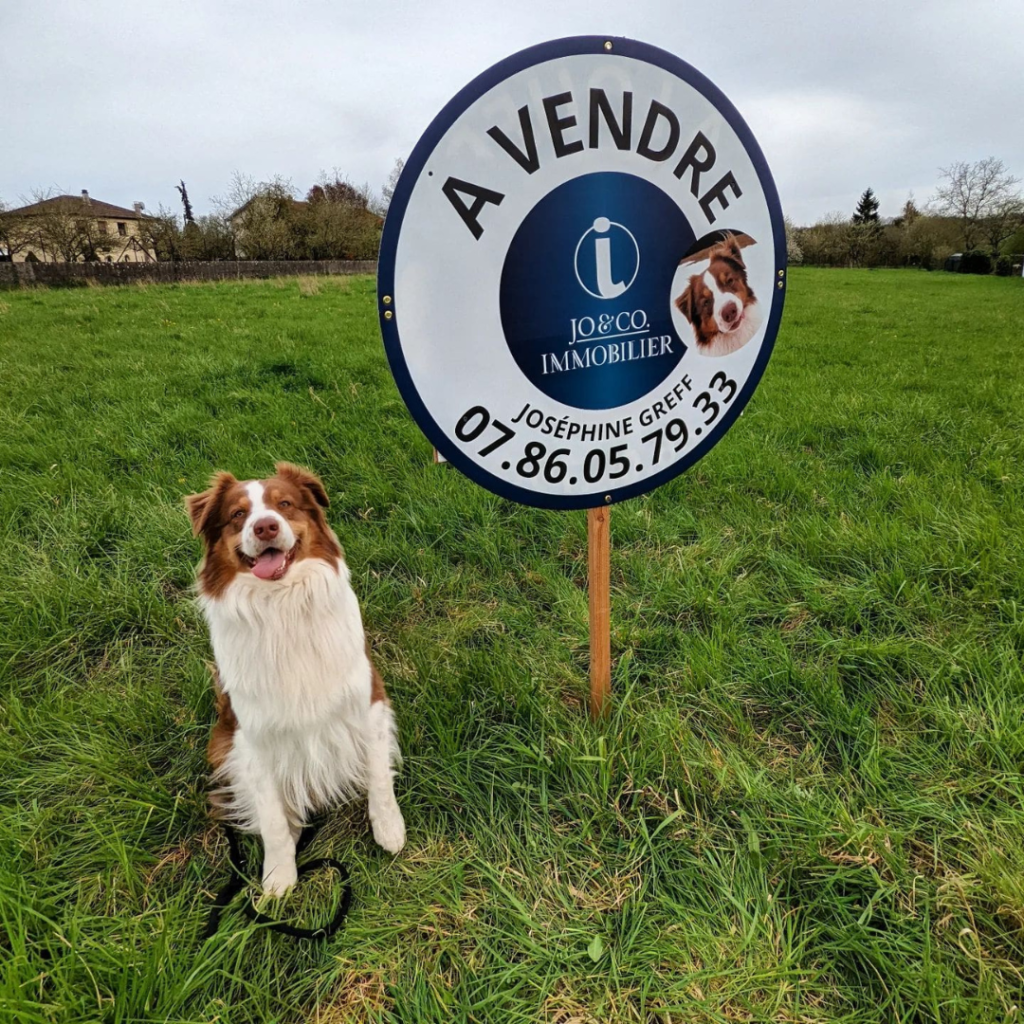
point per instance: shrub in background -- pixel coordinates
(976, 262)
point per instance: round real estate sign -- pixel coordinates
(582, 272)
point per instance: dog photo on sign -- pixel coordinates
(718, 301)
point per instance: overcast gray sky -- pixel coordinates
(125, 98)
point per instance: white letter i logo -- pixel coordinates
(608, 288)
(598, 275)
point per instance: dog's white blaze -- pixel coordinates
(723, 299)
(258, 510)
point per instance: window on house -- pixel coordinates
(101, 226)
(122, 228)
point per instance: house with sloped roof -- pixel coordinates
(77, 229)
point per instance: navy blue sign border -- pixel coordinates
(415, 166)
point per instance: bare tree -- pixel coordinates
(794, 251)
(830, 242)
(339, 190)
(15, 234)
(388, 191)
(1003, 222)
(262, 216)
(984, 197)
(215, 237)
(243, 188)
(908, 214)
(206, 237)
(65, 229)
(340, 220)
(161, 233)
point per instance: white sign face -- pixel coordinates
(582, 273)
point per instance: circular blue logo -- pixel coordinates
(584, 290)
(594, 259)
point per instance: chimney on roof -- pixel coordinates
(139, 207)
(85, 195)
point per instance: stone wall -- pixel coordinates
(71, 275)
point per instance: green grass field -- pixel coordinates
(807, 806)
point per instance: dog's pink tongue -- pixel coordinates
(268, 564)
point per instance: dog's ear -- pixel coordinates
(305, 480)
(732, 248)
(684, 302)
(203, 508)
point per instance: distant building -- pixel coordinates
(80, 229)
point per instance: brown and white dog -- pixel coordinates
(302, 717)
(719, 303)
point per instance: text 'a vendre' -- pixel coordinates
(659, 140)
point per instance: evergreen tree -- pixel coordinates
(189, 219)
(867, 209)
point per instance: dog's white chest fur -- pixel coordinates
(290, 653)
(291, 657)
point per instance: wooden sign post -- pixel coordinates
(598, 558)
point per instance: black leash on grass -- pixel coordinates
(239, 874)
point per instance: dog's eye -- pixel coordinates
(238, 513)
(284, 504)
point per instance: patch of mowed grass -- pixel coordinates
(806, 806)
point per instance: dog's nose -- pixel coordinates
(266, 529)
(730, 312)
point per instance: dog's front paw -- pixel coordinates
(279, 878)
(388, 827)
